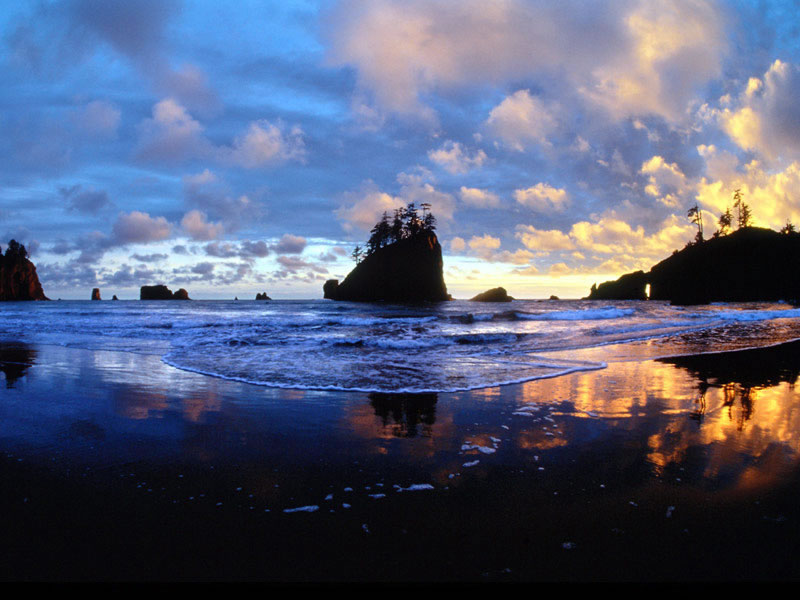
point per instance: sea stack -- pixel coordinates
(161, 292)
(263, 296)
(18, 279)
(96, 294)
(409, 270)
(497, 294)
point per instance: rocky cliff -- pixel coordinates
(18, 278)
(409, 270)
(750, 264)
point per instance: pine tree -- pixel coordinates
(696, 216)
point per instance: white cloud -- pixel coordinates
(265, 144)
(479, 198)
(522, 119)
(454, 158)
(633, 57)
(542, 197)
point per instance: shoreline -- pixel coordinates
(120, 467)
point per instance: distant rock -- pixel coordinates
(114, 297)
(497, 294)
(161, 292)
(18, 278)
(96, 294)
(263, 296)
(554, 298)
(329, 289)
(408, 270)
(749, 265)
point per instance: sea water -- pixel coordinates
(443, 347)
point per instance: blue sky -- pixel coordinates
(233, 148)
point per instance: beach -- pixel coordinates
(117, 466)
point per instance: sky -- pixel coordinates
(231, 148)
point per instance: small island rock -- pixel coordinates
(96, 294)
(263, 296)
(161, 292)
(497, 294)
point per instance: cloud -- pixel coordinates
(542, 197)
(479, 198)
(139, 227)
(83, 200)
(454, 158)
(171, 135)
(290, 244)
(195, 224)
(265, 144)
(543, 241)
(767, 118)
(628, 58)
(98, 119)
(521, 120)
(56, 37)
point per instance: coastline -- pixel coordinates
(120, 467)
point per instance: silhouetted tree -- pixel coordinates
(724, 223)
(788, 228)
(406, 223)
(357, 254)
(696, 216)
(744, 216)
(16, 250)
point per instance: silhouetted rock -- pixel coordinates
(263, 296)
(628, 287)
(18, 278)
(497, 294)
(96, 294)
(161, 292)
(409, 270)
(329, 289)
(751, 264)
(114, 297)
(554, 298)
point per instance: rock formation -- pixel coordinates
(628, 287)
(114, 297)
(18, 279)
(161, 292)
(263, 296)
(408, 270)
(554, 298)
(329, 289)
(748, 265)
(497, 294)
(96, 294)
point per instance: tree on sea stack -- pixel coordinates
(744, 216)
(401, 262)
(696, 216)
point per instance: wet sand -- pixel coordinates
(118, 467)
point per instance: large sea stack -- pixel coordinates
(18, 279)
(161, 292)
(409, 270)
(749, 265)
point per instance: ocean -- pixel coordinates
(446, 347)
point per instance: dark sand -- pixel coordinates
(117, 467)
